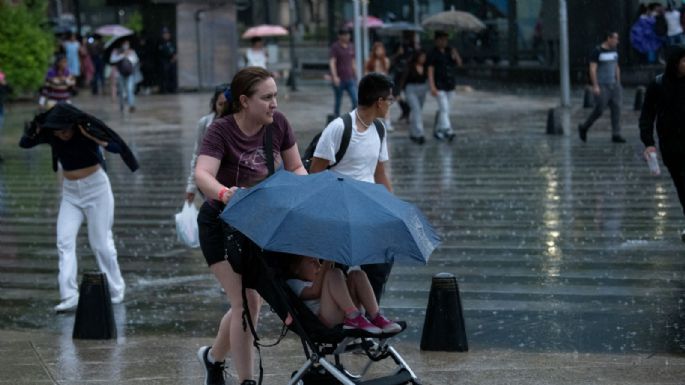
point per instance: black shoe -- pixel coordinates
(450, 137)
(249, 382)
(439, 135)
(618, 139)
(582, 133)
(418, 139)
(214, 373)
(682, 236)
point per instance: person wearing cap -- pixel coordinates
(216, 105)
(343, 70)
(76, 139)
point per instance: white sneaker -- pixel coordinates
(68, 304)
(118, 299)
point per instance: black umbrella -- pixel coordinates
(115, 43)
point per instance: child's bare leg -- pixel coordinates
(335, 298)
(361, 291)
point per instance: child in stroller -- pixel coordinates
(335, 298)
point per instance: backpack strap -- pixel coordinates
(269, 148)
(345, 140)
(380, 128)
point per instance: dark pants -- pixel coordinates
(168, 81)
(676, 167)
(98, 81)
(378, 275)
(349, 86)
(611, 95)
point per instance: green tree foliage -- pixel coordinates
(135, 22)
(26, 47)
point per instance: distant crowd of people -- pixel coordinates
(656, 29)
(128, 64)
(414, 73)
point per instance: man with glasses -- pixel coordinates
(367, 149)
(442, 63)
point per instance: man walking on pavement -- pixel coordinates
(343, 70)
(605, 76)
(442, 64)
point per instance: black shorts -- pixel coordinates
(218, 240)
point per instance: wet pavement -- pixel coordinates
(568, 255)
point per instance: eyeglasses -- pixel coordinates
(389, 99)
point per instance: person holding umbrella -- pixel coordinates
(125, 59)
(256, 55)
(238, 150)
(76, 139)
(367, 151)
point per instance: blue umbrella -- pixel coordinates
(332, 217)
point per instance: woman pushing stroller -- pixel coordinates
(235, 154)
(335, 298)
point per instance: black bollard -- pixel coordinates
(94, 316)
(588, 98)
(554, 122)
(443, 328)
(639, 98)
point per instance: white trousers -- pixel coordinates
(88, 198)
(442, 122)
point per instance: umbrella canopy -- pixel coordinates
(401, 26)
(265, 30)
(371, 22)
(329, 216)
(113, 30)
(115, 42)
(453, 20)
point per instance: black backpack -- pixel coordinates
(660, 25)
(344, 143)
(125, 67)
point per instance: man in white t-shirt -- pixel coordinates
(366, 154)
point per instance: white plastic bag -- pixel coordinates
(186, 226)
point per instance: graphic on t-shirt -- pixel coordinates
(252, 163)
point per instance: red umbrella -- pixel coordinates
(265, 30)
(371, 22)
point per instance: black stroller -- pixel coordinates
(264, 271)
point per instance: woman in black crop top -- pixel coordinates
(415, 89)
(86, 194)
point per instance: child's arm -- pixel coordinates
(314, 291)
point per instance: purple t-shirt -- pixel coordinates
(243, 162)
(344, 57)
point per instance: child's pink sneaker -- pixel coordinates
(385, 324)
(360, 322)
